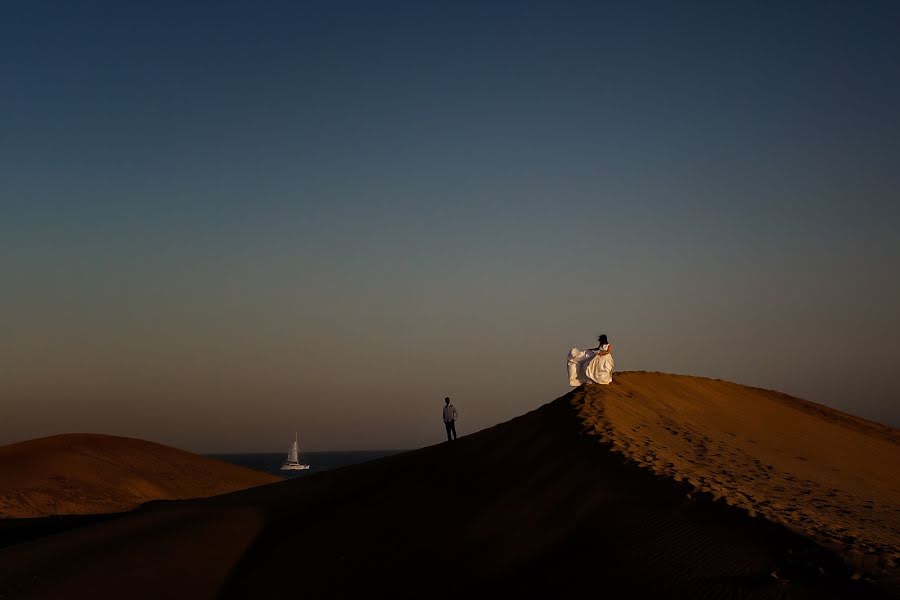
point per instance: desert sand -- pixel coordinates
(90, 473)
(826, 474)
(550, 504)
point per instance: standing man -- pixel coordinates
(450, 419)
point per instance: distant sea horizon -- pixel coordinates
(270, 462)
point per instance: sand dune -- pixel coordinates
(90, 473)
(824, 473)
(536, 507)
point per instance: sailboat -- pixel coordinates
(292, 463)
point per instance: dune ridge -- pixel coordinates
(831, 476)
(83, 473)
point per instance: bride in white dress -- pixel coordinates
(594, 365)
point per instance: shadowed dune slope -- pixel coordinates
(536, 507)
(91, 473)
(829, 475)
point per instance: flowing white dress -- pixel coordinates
(586, 366)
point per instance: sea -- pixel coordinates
(270, 462)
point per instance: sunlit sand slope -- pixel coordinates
(90, 473)
(827, 474)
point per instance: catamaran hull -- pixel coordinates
(289, 467)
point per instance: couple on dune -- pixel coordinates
(594, 365)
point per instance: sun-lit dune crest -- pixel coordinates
(828, 475)
(91, 473)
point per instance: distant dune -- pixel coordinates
(538, 507)
(90, 473)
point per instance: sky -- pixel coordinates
(224, 222)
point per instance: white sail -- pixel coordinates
(294, 453)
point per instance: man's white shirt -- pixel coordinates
(449, 413)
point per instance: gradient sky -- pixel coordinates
(223, 222)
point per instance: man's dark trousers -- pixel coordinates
(451, 429)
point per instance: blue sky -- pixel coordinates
(329, 215)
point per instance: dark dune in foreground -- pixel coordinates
(536, 507)
(85, 473)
